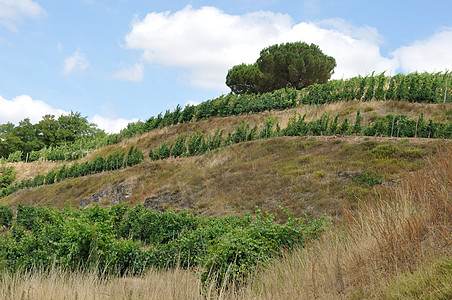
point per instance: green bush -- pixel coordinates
(367, 179)
(7, 176)
(6, 216)
(38, 180)
(385, 151)
(121, 240)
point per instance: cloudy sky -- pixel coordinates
(118, 61)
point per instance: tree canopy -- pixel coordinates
(296, 65)
(27, 137)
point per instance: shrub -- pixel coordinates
(7, 176)
(367, 179)
(385, 151)
(6, 216)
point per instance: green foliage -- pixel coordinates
(297, 65)
(179, 147)
(385, 151)
(134, 156)
(198, 143)
(114, 161)
(367, 179)
(38, 180)
(247, 79)
(15, 156)
(42, 141)
(50, 177)
(7, 175)
(357, 127)
(6, 216)
(112, 240)
(49, 132)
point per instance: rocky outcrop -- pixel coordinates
(163, 201)
(115, 194)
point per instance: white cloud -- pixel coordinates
(111, 125)
(24, 106)
(13, 11)
(207, 42)
(75, 62)
(432, 54)
(135, 73)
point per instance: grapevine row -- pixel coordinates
(389, 126)
(99, 164)
(414, 87)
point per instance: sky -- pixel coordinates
(120, 61)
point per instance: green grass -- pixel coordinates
(431, 282)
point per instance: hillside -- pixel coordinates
(305, 175)
(394, 245)
(291, 194)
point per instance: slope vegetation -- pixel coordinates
(305, 175)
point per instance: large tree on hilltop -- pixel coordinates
(296, 65)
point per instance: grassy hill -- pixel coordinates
(394, 246)
(313, 175)
(389, 200)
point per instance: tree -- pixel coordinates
(27, 134)
(47, 129)
(73, 126)
(295, 65)
(245, 79)
(9, 142)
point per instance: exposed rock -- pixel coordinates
(161, 202)
(116, 193)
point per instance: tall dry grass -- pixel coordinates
(395, 233)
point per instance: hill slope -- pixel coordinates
(305, 175)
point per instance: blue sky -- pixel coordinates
(119, 61)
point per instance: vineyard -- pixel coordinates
(123, 240)
(99, 164)
(199, 143)
(169, 223)
(389, 126)
(414, 87)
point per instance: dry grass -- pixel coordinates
(150, 140)
(30, 170)
(372, 254)
(397, 232)
(299, 173)
(57, 284)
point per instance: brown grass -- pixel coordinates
(299, 173)
(394, 233)
(398, 232)
(150, 140)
